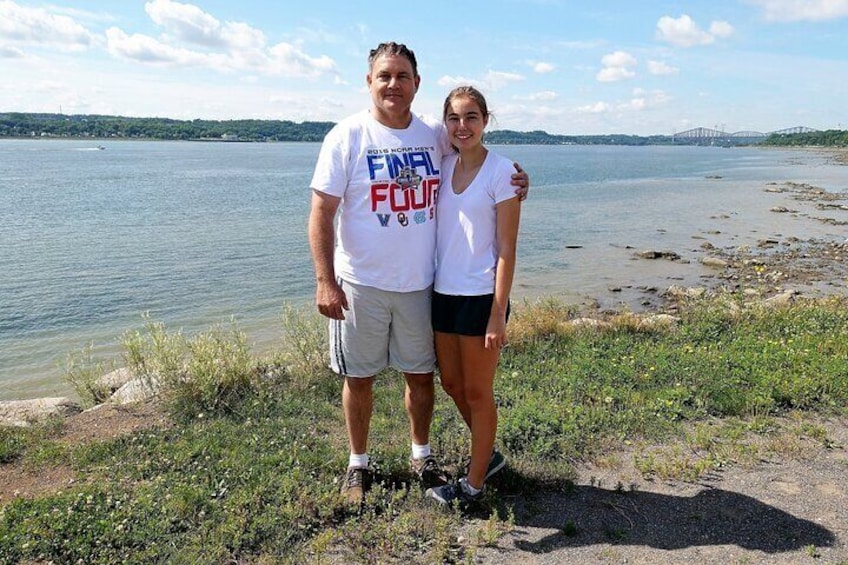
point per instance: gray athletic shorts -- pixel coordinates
(381, 329)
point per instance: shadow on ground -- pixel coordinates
(587, 515)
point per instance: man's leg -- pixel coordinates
(357, 403)
(419, 399)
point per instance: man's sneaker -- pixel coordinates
(354, 484)
(428, 472)
(453, 493)
(496, 463)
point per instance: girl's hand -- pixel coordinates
(496, 334)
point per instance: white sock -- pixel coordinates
(420, 451)
(466, 486)
(357, 460)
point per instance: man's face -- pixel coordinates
(393, 86)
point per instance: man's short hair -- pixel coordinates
(392, 48)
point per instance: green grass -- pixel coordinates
(248, 471)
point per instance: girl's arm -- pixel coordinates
(508, 213)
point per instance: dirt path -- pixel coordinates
(788, 510)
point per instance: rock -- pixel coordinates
(591, 323)
(677, 292)
(714, 262)
(26, 412)
(115, 380)
(782, 299)
(780, 209)
(136, 390)
(651, 254)
(658, 321)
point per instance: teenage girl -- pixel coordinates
(477, 230)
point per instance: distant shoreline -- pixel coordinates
(15, 125)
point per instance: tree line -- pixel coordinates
(827, 138)
(61, 125)
(16, 124)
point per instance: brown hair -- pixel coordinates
(392, 48)
(470, 92)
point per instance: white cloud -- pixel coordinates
(146, 49)
(581, 45)
(289, 60)
(449, 81)
(543, 68)
(634, 104)
(661, 68)
(684, 32)
(498, 79)
(617, 66)
(641, 100)
(227, 47)
(9, 52)
(492, 80)
(544, 96)
(596, 108)
(38, 26)
(189, 23)
(798, 10)
(721, 29)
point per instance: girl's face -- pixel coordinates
(465, 123)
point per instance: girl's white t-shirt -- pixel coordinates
(466, 241)
(388, 180)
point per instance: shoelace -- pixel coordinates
(354, 478)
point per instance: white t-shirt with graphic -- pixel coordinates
(466, 242)
(388, 180)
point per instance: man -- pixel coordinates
(380, 170)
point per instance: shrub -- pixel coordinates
(206, 374)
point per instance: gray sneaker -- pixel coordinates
(428, 472)
(453, 493)
(496, 463)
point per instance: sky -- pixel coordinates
(571, 67)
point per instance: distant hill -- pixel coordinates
(61, 125)
(509, 137)
(16, 124)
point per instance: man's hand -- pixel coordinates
(331, 300)
(521, 180)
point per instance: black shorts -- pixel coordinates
(463, 315)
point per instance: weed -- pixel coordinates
(209, 373)
(83, 374)
(570, 529)
(12, 442)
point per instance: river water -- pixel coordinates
(198, 233)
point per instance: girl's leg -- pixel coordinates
(478, 370)
(450, 368)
